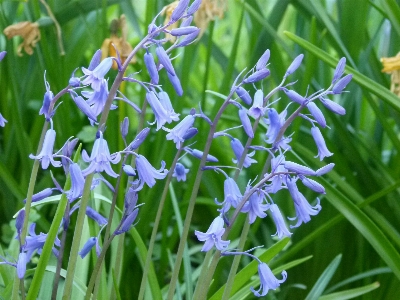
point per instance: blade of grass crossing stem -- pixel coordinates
(352, 293)
(324, 279)
(366, 227)
(152, 281)
(252, 268)
(186, 257)
(366, 83)
(51, 236)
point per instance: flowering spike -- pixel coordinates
(317, 114)
(294, 65)
(320, 142)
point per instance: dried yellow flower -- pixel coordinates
(208, 11)
(120, 43)
(391, 65)
(29, 32)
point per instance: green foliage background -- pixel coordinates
(357, 231)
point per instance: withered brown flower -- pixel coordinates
(29, 32)
(120, 43)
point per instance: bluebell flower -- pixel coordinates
(77, 182)
(274, 127)
(21, 265)
(147, 173)
(324, 170)
(339, 70)
(312, 184)
(298, 169)
(232, 195)
(48, 97)
(95, 77)
(161, 114)
(303, 209)
(90, 243)
(281, 229)
(164, 59)
(238, 149)
(46, 154)
(194, 7)
(3, 121)
(294, 65)
(244, 95)
(188, 39)
(179, 11)
(320, 142)
(66, 151)
(94, 215)
(36, 242)
(151, 67)
(294, 96)
(2, 55)
(255, 206)
(257, 76)
(183, 30)
(95, 61)
(177, 133)
(100, 158)
(333, 106)
(166, 102)
(127, 222)
(257, 109)
(317, 114)
(83, 107)
(180, 172)
(176, 83)
(261, 63)
(199, 154)
(47, 192)
(268, 281)
(277, 181)
(19, 222)
(341, 84)
(213, 236)
(98, 98)
(245, 120)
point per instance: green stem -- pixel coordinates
(192, 201)
(73, 256)
(156, 224)
(118, 262)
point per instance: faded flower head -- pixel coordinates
(209, 10)
(29, 32)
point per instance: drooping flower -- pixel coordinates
(232, 195)
(277, 181)
(151, 67)
(36, 242)
(294, 65)
(245, 120)
(268, 281)
(257, 109)
(91, 213)
(161, 114)
(3, 121)
(97, 98)
(21, 265)
(317, 114)
(274, 126)
(244, 95)
(320, 142)
(238, 149)
(199, 154)
(304, 210)
(100, 158)
(147, 173)
(48, 97)
(180, 172)
(77, 182)
(281, 229)
(46, 154)
(95, 77)
(213, 236)
(127, 222)
(88, 246)
(177, 133)
(255, 206)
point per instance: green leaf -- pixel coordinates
(352, 293)
(324, 279)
